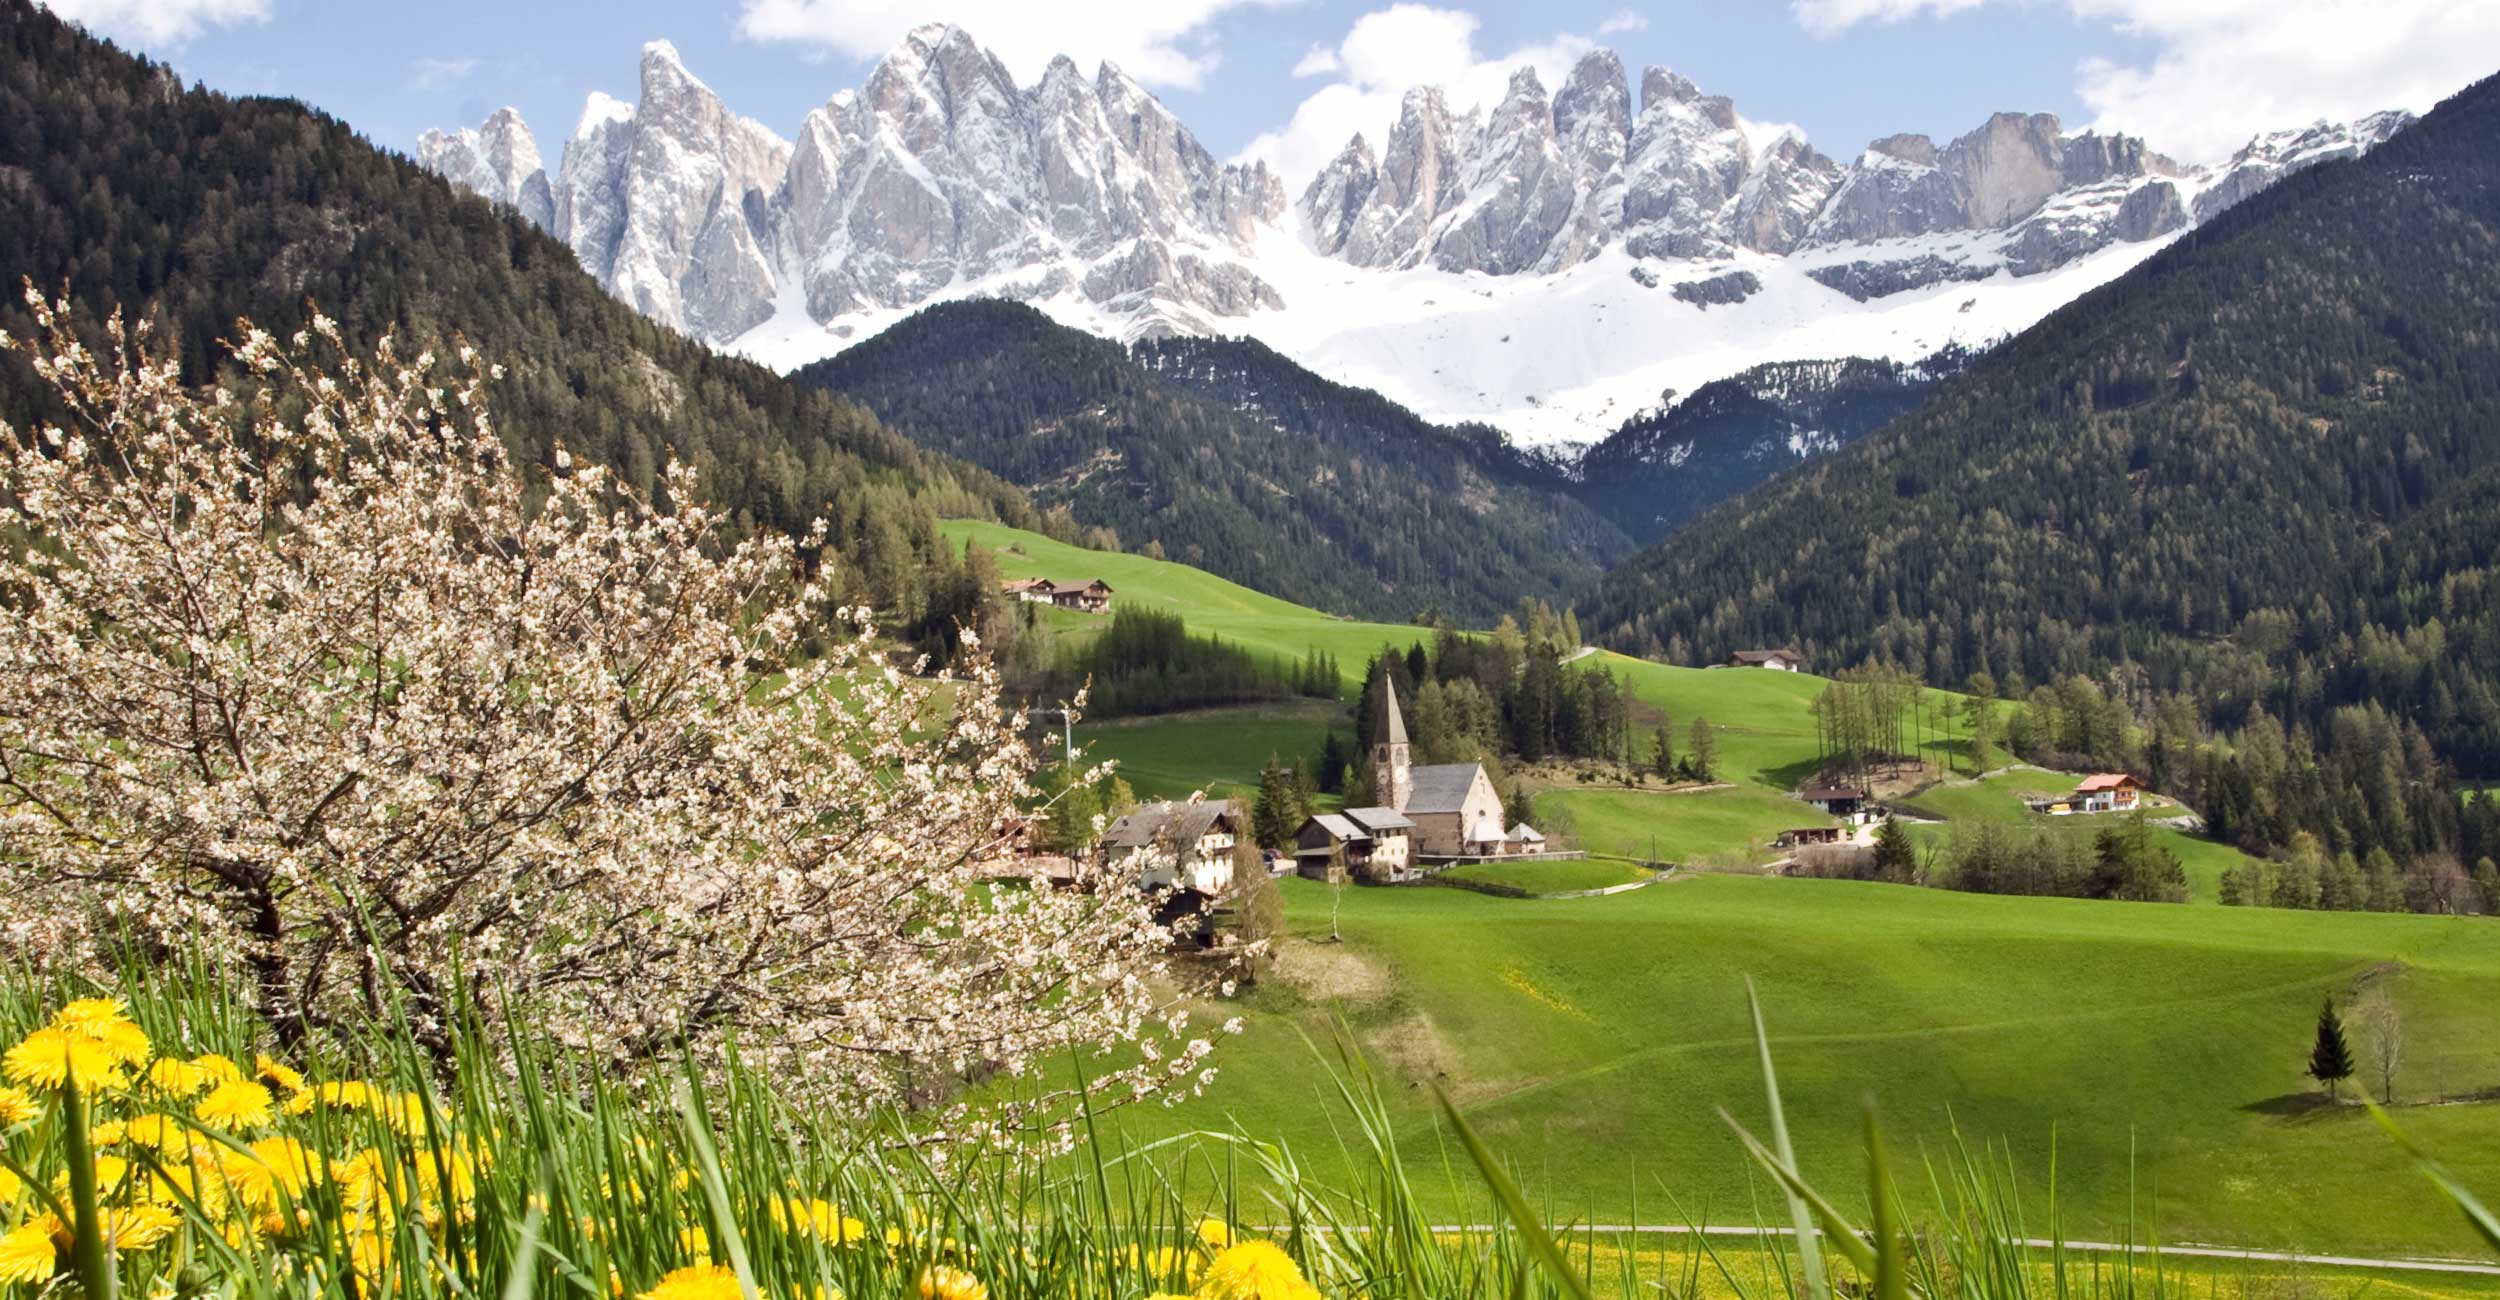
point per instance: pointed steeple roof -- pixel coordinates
(1392, 729)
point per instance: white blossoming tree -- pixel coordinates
(321, 685)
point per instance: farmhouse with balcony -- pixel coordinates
(1093, 596)
(1778, 661)
(1376, 844)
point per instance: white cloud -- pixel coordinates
(1623, 20)
(1319, 62)
(158, 22)
(1159, 42)
(2224, 70)
(1384, 54)
(430, 73)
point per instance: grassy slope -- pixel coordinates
(1675, 827)
(1552, 877)
(1592, 1041)
(1211, 604)
(1999, 798)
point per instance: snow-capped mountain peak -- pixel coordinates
(1544, 264)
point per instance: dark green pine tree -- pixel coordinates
(2330, 1058)
(1895, 860)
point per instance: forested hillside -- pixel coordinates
(2260, 471)
(1234, 460)
(195, 208)
(1664, 467)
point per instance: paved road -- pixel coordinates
(2092, 1247)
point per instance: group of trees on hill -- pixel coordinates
(2125, 861)
(1148, 661)
(187, 209)
(2252, 479)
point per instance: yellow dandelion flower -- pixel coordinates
(238, 1104)
(697, 1282)
(1164, 1263)
(178, 1078)
(354, 1094)
(820, 1219)
(160, 1132)
(28, 1252)
(49, 1057)
(273, 1071)
(11, 1188)
(86, 1012)
(137, 1227)
(939, 1282)
(219, 1069)
(404, 1112)
(109, 1133)
(17, 1106)
(694, 1241)
(125, 1042)
(1255, 1270)
(1215, 1233)
(278, 1166)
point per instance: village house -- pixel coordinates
(1778, 661)
(1182, 854)
(1175, 845)
(1846, 802)
(2099, 793)
(1453, 806)
(1376, 843)
(1092, 596)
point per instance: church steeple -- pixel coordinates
(1393, 774)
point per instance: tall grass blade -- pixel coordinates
(1809, 1250)
(2480, 1218)
(1540, 1242)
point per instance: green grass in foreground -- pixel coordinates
(1551, 877)
(2144, 1045)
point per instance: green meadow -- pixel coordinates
(2143, 1051)
(2149, 1054)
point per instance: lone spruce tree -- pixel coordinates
(2330, 1058)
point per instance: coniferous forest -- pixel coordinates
(2251, 485)
(131, 192)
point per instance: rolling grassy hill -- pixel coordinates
(2143, 1049)
(1593, 1040)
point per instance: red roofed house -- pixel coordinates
(2108, 792)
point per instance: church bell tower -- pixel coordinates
(1393, 773)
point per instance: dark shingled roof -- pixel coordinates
(1378, 819)
(1442, 787)
(1170, 822)
(1826, 793)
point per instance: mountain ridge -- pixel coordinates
(941, 177)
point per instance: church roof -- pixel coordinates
(1441, 788)
(1392, 723)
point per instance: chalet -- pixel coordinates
(1778, 661)
(1377, 844)
(1846, 802)
(1092, 596)
(2108, 792)
(1453, 806)
(1185, 847)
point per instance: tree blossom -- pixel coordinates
(319, 684)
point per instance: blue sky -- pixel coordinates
(1289, 81)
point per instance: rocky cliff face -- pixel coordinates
(498, 160)
(939, 175)
(939, 170)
